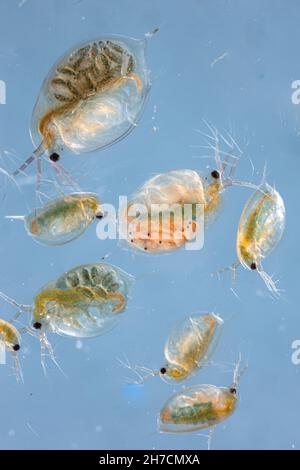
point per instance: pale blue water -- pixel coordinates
(248, 89)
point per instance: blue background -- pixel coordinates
(249, 91)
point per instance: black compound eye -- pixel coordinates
(215, 174)
(16, 347)
(37, 325)
(253, 266)
(54, 157)
(233, 391)
(163, 371)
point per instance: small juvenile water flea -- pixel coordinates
(189, 346)
(63, 219)
(10, 337)
(199, 406)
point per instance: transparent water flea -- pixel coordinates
(85, 302)
(260, 229)
(199, 407)
(92, 98)
(10, 336)
(62, 219)
(189, 346)
(182, 187)
(145, 233)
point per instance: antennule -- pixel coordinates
(36, 154)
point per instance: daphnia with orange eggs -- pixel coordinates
(84, 302)
(154, 215)
(91, 98)
(199, 407)
(188, 347)
(10, 340)
(171, 208)
(63, 219)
